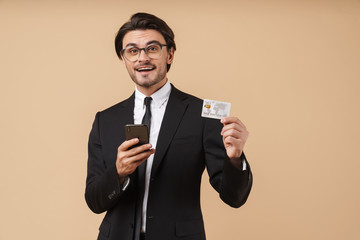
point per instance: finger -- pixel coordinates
(238, 141)
(127, 165)
(126, 144)
(139, 149)
(140, 157)
(145, 155)
(229, 120)
(125, 156)
(230, 140)
(232, 132)
(233, 126)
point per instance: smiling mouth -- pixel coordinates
(145, 69)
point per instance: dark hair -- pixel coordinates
(143, 21)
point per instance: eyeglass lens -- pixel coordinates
(152, 51)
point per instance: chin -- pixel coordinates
(146, 83)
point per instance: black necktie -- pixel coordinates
(141, 173)
(147, 116)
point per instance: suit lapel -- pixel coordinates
(174, 112)
(128, 111)
(123, 113)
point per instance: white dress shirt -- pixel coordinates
(158, 105)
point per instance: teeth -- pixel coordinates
(144, 69)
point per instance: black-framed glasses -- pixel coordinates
(153, 51)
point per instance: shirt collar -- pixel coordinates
(158, 98)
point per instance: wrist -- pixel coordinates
(239, 162)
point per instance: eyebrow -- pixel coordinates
(148, 43)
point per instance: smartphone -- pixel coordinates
(139, 131)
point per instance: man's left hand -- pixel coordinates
(234, 135)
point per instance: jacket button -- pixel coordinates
(112, 195)
(150, 217)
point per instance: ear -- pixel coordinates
(170, 57)
(123, 60)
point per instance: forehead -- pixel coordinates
(142, 37)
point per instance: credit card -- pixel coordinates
(215, 109)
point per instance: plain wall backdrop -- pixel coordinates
(291, 70)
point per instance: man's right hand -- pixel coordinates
(129, 159)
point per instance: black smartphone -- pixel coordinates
(139, 131)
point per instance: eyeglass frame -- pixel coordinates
(144, 49)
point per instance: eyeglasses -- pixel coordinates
(153, 51)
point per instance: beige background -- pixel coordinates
(289, 68)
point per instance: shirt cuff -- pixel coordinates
(125, 184)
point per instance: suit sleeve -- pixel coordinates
(233, 184)
(102, 183)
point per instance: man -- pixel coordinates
(152, 191)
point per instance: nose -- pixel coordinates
(143, 57)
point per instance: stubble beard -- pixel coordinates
(148, 84)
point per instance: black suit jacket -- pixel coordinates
(187, 143)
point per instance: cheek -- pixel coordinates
(129, 67)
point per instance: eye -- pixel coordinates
(153, 48)
(132, 51)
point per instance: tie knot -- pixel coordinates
(147, 101)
